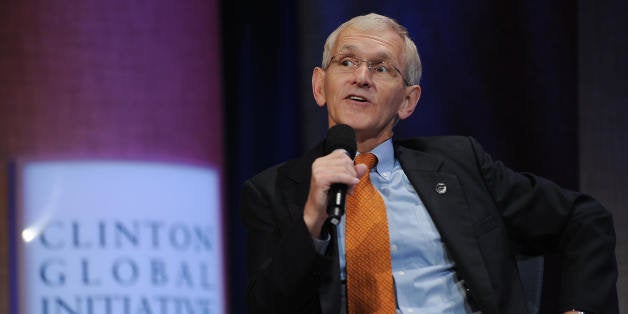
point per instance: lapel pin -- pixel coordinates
(441, 188)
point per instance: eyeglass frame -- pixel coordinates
(370, 65)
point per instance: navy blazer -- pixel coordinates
(488, 215)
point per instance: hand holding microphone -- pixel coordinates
(341, 137)
(332, 176)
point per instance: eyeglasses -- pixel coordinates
(381, 70)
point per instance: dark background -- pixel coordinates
(539, 83)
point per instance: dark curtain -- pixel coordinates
(504, 72)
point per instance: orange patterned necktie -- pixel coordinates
(369, 273)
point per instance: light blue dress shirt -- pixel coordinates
(423, 272)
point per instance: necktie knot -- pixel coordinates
(369, 159)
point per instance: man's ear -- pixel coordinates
(411, 100)
(318, 86)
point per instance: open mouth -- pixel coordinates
(357, 98)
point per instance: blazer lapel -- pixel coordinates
(446, 203)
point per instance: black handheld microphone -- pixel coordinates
(340, 136)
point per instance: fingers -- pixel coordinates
(336, 167)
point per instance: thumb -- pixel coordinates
(361, 169)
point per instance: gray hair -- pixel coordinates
(376, 22)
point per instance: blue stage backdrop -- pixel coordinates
(505, 72)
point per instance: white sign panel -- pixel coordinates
(99, 237)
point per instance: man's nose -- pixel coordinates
(363, 74)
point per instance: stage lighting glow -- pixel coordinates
(28, 234)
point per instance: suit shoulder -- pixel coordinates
(290, 171)
(449, 143)
(458, 149)
(296, 169)
(263, 178)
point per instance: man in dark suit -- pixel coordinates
(456, 218)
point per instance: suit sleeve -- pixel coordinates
(284, 270)
(541, 217)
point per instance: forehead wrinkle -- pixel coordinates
(352, 49)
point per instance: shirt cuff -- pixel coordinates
(320, 245)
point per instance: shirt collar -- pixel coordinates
(385, 157)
